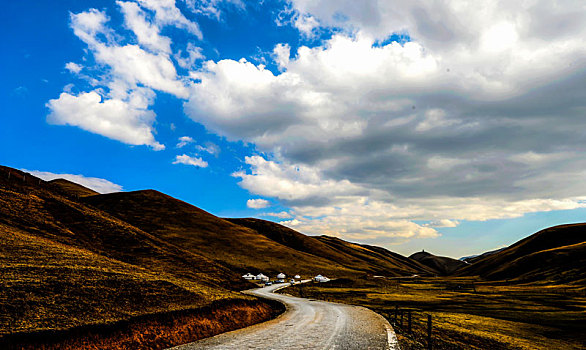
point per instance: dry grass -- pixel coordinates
(157, 331)
(496, 316)
(71, 271)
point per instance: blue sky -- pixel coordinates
(408, 125)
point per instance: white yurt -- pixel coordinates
(320, 278)
(297, 277)
(262, 277)
(248, 276)
(281, 276)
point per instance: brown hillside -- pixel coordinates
(71, 188)
(442, 264)
(556, 253)
(65, 265)
(240, 248)
(378, 262)
(362, 258)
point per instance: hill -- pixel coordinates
(66, 265)
(246, 245)
(554, 254)
(71, 188)
(472, 258)
(442, 264)
(368, 259)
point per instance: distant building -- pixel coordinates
(262, 277)
(320, 278)
(248, 276)
(281, 276)
(297, 277)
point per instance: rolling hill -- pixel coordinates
(368, 259)
(442, 264)
(71, 189)
(71, 258)
(66, 265)
(554, 254)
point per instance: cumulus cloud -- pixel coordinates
(94, 183)
(474, 117)
(188, 160)
(184, 141)
(280, 215)
(118, 107)
(258, 203)
(73, 67)
(127, 120)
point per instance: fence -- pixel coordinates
(402, 319)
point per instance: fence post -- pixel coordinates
(429, 332)
(402, 311)
(409, 321)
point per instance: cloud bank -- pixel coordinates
(473, 115)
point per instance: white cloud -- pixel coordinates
(258, 203)
(449, 126)
(210, 148)
(148, 34)
(194, 54)
(118, 107)
(306, 24)
(213, 8)
(442, 223)
(126, 120)
(94, 183)
(184, 141)
(280, 215)
(187, 160)
(167, 13)
(475, 118)
(73, 67)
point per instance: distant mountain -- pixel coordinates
(554, 254)
(442, 264)
(472, 258)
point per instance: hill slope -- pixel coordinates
(71, 188)
(442, 264)
(64, 264)
(556, 253)
(244, 245)
(362, 258)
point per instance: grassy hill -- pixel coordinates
(442, 264)
(66, 266)
(72, 189)
(554, 254)
(367, 259)
(240, 248)
(73, 260)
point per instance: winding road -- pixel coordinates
(307, 324)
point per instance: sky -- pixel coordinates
(448, 126)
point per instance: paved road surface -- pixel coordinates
(307, 324)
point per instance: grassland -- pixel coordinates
(468, 313)
(75, 277)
